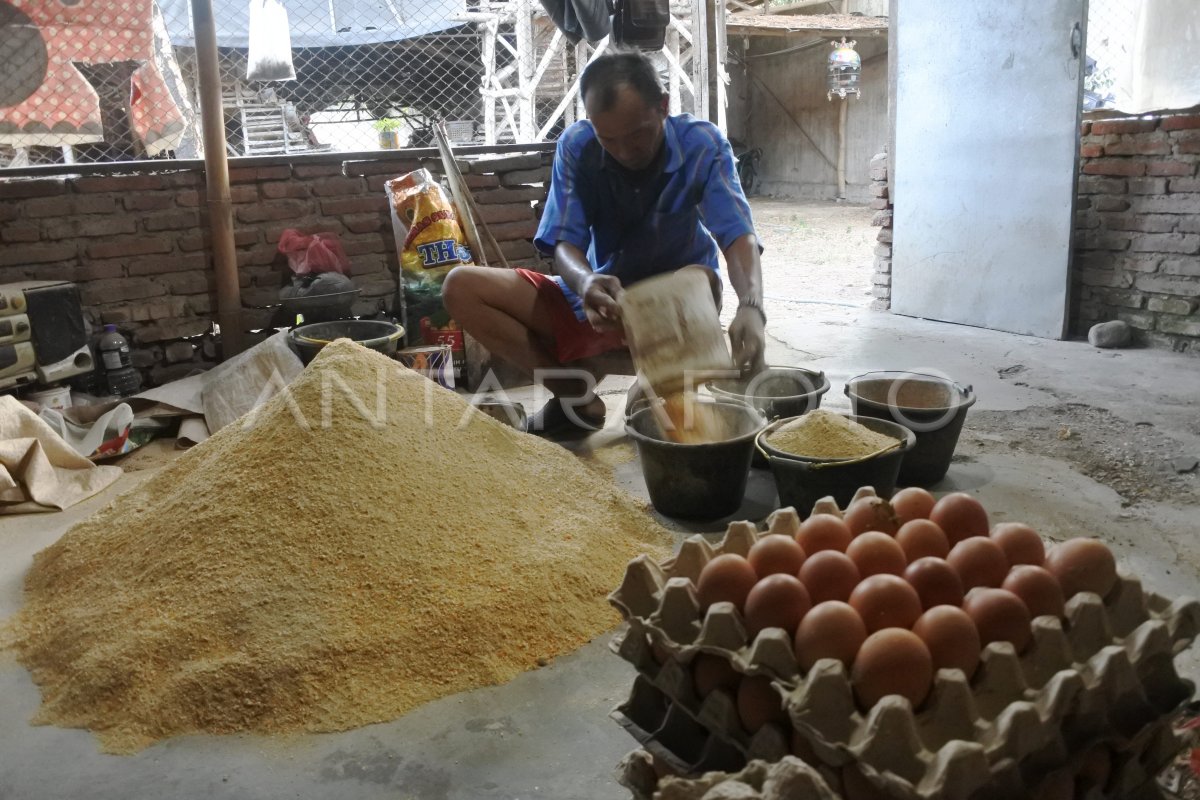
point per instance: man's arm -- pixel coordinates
(747, 332)
(598, 292)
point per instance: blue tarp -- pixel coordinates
(321, 23)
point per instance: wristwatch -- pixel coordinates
(756, 304)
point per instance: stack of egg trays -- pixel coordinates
(1110, 672)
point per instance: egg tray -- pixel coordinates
(786, 779)
(1110, 670)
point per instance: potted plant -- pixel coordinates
(389, 133)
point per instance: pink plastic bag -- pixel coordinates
(310, 254)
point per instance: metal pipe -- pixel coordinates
(216, 176)
(841, 155)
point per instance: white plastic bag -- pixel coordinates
(270, 56)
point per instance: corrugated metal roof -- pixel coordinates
(321, 23)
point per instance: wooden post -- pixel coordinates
(526, 88)
(676, 104)
(216, 176)
(490, 29)
(841, 155)
(720, 50)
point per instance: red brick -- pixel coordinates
(130, 246)
(365, 223)
(121, 183)
(1184, 243)
(1147, 223)
(338, 187)
(281, 190)
(199, 241)
(1185, 185)
(263, 254)
(172, 221)
(21, 188)
(1167, 204)
(71, 227)
(1106, 202)
(522, 177)
(1139, 146)
(1170, 168)
(1147, 185)
(1187, 142)
(316, 170)
(164, 330)
(1091, 150)
(258, 174)
(272, 210)
(20, 234)
(366, 244)
(156, 201)
(508, 212)
(200, 303)
(519, 250)
(1181, 122)
(172, 263)
(1091, 184)
(508, 231)
(119, 290)
(354, 205)
(193, 282)
(313, 224)
(1085, 128)
(1189, 224)
(389, 168)
(506, 163)
(1103, 240)
(1115, 166)
(20, 255)
(1106, 126)
(481, 181)
(9, 211)
(530, 195)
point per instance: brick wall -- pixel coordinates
(881, 202)
(138, 245)
(1137, 244)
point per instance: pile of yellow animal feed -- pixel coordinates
(351, 550)
(823, 434)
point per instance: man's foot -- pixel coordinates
(556, 421)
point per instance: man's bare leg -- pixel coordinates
(505, 313)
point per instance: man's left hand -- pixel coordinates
(747, 335)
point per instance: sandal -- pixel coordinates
(556, 421)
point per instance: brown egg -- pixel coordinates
(1082, 565)
(1037, 588)
(999, 615)
(777, 601)
(885, 601)
(892, 661)
(727, 578)
(912, 503)
(712, 672)
(978, 562)
(960, 516)
(758, 703)
(1058, 785)
(1020, 543)
(876, 553)
(659, 653)
(920, 538)
(802, 750)
(823, 532)
(935, 581)
(830, 630)
(829, 575)
(1095, 768)
(951, 637)
(870, 514)
(776, 554)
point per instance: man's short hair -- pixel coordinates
(602, 78)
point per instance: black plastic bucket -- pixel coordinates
(933, 408)
(383, 337)
(697, 481)
(776, 391)
(801, 482)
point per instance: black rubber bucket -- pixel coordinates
(776, 392)
(801, 482)
(383, 337)
(933, 408)
(697, 481)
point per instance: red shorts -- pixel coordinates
(573, 339)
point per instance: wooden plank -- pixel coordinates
(827, 25)
(792, 8)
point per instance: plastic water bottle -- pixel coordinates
(120, 376)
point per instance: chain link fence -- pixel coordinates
(116, 80)
(1111, 39)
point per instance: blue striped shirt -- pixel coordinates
(682, 216)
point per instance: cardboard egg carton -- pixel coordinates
(786, 779)
(1109, 669)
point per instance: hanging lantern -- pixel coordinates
(844, 70)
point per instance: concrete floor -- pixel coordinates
(547, 733)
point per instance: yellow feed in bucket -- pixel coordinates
(824, 434)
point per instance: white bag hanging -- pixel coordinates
(270, 56)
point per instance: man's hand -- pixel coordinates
(747, 335)
(600, 295)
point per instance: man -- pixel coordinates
(634, 193)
